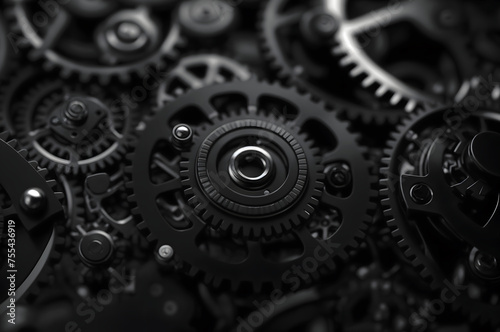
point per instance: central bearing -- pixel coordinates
(251, 166)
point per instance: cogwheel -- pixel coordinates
(240, 169)
(440, 23)
(32, 215)
(439, 189)
(73, 128)
(197, 71)
(112, 43)
(97, 250)
(296, 40)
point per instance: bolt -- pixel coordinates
(205, 12)
(325, 25)
(165, 253)
(486, 265)
(34, 200)
(76, 112)
(96, 248)
(182, 136)
(129, 31)
(339, 176)
(421, 194)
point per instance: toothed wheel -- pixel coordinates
(31, 213)
(109, 42)
(74, 128)
(239, 169)
(197, 71)
(411, 78)
(297, 38)
(440, 191)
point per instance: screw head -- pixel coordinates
(325, 25)
(339, 176)
(34, 200)
(76, 112)
(182, 135)
(165, 252)
(129, 31)
(96, 248)
(486, 265)
(421, 194)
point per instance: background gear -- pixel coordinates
(124, 42)
(31, 212)
(74, 129)
(438, 199)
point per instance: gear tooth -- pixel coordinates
(43, 172)
(85, 77)
(66, 73)
(368, 81)
(48, 66)
(338, 50)
(52, 183)
(124, 78)
(142, 225)
(356, 71)
(24, 154)
(396, 99)
(381, 91)
(346, 61)
(105, 79)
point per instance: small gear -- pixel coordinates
(197, 71)
(97, 250)
(32, 217)
(441, 24)
(111, 43)
(206, 19)
(267, 162)
(440, 193)
(73, 128)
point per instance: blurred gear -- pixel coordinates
(74, 128)
(297, 38)
(440, 191)
(99, 41)
(206, 19)
(379, 44)
(197, 71)
(268, 161)
(31, 212)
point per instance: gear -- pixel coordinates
(410, 81)
(31, 214)
(440, 191)
(268, 161)
(97, 250)
(110, 44)
(296, 42)
(74, 128)
(197, 71)
(202, 19)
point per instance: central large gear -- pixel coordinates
(284, 176)
(236, 167)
